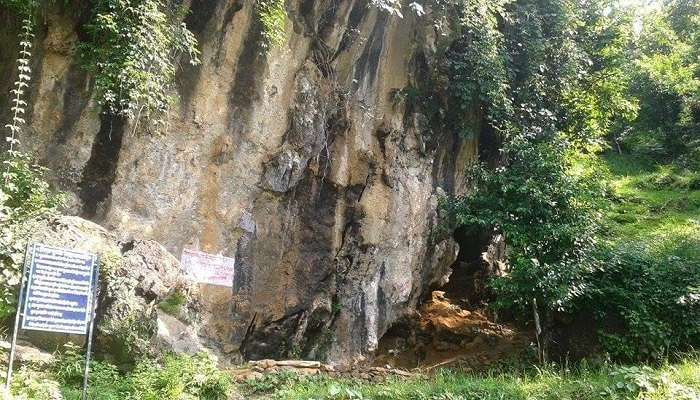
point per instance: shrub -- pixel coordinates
(27, 384)
(647, 301)
(175, 377)
(548, 216)
(172, 305)
(24, 197)
(133, 49)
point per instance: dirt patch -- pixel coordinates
(442, 333)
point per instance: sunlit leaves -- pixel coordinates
(273, 17)
(24, 196)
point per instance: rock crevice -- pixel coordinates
(299, 162)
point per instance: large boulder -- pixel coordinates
(146, 304)
(142, 291)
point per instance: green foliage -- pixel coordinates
(609, 382)
(24, 192)
(646, 301)
(70, 365)
(24, 197)
(172, 378)
(172, 304)
(133, 51)
(665, 81)
(273, 18)
(269, 382)
(552, 83)
(643, 289)
(476, 66)
(18, 108)
(29, 384)
(109, 261)
(599, 106)
(644, 382)
(547, 214)
(177, 377)
(23, 7)
(654, 204)
(521, 74)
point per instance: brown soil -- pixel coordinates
(444, 334)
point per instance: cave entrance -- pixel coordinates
(467, 284)
(453, 326)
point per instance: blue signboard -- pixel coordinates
(59, 290)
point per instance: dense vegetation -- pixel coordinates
(132, 51)
(172, 378)
(592, 115)
(615, 238)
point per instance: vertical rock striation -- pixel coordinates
(299, 162)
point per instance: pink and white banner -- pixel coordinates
(208, 268)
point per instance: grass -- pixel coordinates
(655, 204)
(668, 382)
(195, 378)
(169, 378)
(172, 305)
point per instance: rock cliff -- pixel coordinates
(300, 162)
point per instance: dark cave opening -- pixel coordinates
(467, 283)
(101, 169)
(453, 322)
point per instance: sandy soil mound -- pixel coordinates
(442, 333)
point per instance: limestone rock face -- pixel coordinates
(301, 162)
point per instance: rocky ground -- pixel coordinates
(440, 334)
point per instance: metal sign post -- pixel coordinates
(8, 378)
(60, 296)
(93, 313)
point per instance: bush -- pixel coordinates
(548, 214)
(648, 302)
(24, 197)
(175, 377)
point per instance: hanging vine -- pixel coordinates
(24, 194)
(18, 108)
(133, 52)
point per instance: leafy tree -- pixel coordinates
(557, 83)
(521, 68)
(664, 80)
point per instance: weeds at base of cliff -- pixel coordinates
(269, 382)
(602, 381)
(170, 377)
(172, 305)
